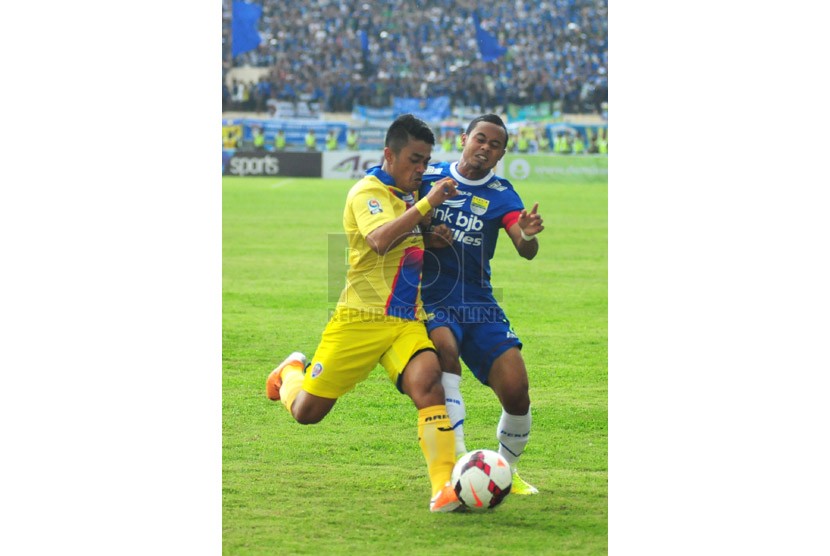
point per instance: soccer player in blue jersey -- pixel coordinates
(463, 317)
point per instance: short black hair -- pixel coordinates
(489, 118)
(406, 127)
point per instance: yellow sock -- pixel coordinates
(292, 383)
(437, 441)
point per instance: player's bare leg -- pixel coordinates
(309, 409)
(285, 384)
(508, 379)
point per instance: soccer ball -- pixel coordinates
(482, 479)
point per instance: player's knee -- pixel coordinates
(422, 383)
(306, 419)
(307, 415)
(449, 361)
(447, 350)
(428, 382)
(514, 397)
(517, 406)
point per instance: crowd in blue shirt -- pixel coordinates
(367, 52)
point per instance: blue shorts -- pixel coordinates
(481, 330)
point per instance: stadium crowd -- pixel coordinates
(557, 51)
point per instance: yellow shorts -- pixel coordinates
(354, 342)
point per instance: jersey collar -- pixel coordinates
(380, 174)
(461, 179)
(389, 182)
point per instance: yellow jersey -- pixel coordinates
(390, 284)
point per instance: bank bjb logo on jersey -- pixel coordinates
(374, 206)
(479, 205)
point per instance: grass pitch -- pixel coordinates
(357, 482)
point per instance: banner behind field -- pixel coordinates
(514, 167)
(353, 164)
(544, 167)
(269, 163)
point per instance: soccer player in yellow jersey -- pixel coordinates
(379, 317)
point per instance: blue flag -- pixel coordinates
(244, 21)
(488, 45)
(364, 41)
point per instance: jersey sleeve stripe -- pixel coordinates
(403, 297)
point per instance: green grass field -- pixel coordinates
(357, 482)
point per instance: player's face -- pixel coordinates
(484, 147)
(408, 166)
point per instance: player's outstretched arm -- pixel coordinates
(523, 232)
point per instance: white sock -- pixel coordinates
(455, 409)
(513, 433)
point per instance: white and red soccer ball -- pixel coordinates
(482, 479)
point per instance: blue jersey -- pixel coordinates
(475, 217)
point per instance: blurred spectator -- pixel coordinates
(236, 94)
(602, 141)
(542, 141)
(231, 136)
(522, 143)
(263, 94)
(592, 141)
(310, 140)
(352, 138)
(568, 143)
(578, 144)
(279, 140)
(259, 139)
(331, 140)
(447, 141)
(226, 97)
(557, 52)
(560, 143)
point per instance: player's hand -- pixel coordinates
(531, 222)
(443, 189)
(425, 221)
(439, 236)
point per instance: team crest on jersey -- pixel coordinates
(478, 205)
(374, 206)
(317, 370)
